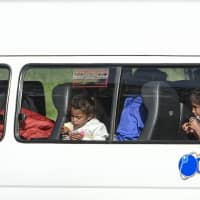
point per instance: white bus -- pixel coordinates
(115, 52)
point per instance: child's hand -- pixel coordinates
(64, 131)
(76, 136)
(186, 127)
(195, 126)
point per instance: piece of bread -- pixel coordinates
(69, 126)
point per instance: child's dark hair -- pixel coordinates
(195, 96)
(83, 102)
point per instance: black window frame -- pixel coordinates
(119, 67)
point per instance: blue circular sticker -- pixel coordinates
(188, 165)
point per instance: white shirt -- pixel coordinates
(93, 130)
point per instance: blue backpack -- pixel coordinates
(132, 119)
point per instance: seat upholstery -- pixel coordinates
(61, 97)
(163, 111)
(33, 96)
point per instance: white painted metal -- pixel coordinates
(95, 171)
(75, 170)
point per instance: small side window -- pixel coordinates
(66, 103)
(4, 82)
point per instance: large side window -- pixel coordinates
(66, 103)
(109, 103)
(157, 104)
(4, 82)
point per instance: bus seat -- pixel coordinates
(132, 83)
(149, 74)
(33, 97)
(163, 112)
(61, 96)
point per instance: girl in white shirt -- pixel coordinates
(84, 125)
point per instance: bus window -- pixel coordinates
(130, 103)
(154, 103)
(4, 79)
(53, 94)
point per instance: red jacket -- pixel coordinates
(35, 125)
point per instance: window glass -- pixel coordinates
(4, 79)
(66, 103)
(155, 104)
(109, 103)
